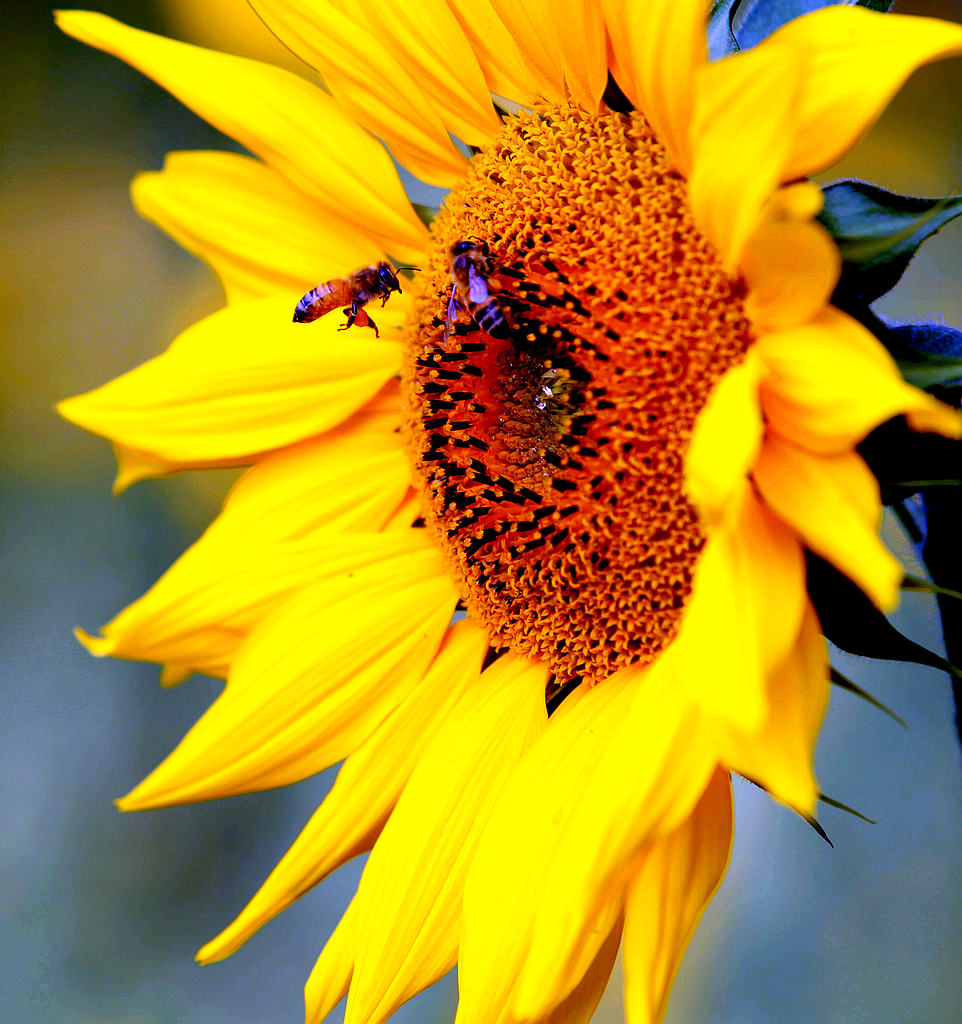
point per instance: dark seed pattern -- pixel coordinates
(551, 460)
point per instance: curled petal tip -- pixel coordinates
(98, 646)
(122, 803)
(132, 802)
(209, 953)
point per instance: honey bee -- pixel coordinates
(352, 293)
(471, 267)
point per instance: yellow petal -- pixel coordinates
(368, 82)
(743, 121)
(408, 904)
(508, 71)
(832, 502)
(781, 754)
(258, 233)
(328, 981)
(198, 613)
(531, 26)
(581, 45)
(854, 62)
(671, 888)
(829, 382)
(791, 263)
(407, 513)
(537, 1000)
(626, 764)
(579, 1006)
(243, 381)
(278, 116)
(134, 465)
(311, 683)
(174, 675)
(429, 44)
(743, 613)
(367, 787)
(726, 440)
(656, 49)
(353, 478)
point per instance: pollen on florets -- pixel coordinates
(551, 457)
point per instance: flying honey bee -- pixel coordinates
(352, 293)
(471, 267)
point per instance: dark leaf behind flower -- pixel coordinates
(905, 461)
(839, 806)
(942, 557)
(921, 476)
(927, 354)
(878, 233)
(844, 683)
(721, 38)
(853, 623)
(735, 25)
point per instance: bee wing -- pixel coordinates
(453, 306)
(477, 287)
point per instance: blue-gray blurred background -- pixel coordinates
(102, 912)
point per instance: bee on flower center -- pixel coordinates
(353, 292)
(471, 266)
(553, 391)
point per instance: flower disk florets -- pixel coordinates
(551, 457)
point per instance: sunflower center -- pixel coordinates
(570, 325)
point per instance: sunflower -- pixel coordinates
(531, 559)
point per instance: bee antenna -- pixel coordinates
(408, 268)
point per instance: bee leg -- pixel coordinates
(351, 315)
(363, 319)
(451, 317)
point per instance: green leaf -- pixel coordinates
(844, 807)
(927, 354)
(852, 622)
(878, 233)
(426, 213)
(844, 683)
(735, 25)
(917, 583)
(755, 20)
(906, 462)
(921, 485)
(942, 558)
(721, 39)
(927, 371)
(818, 828)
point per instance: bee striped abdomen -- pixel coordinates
(314, 304)
(470, 269)
(490, 318)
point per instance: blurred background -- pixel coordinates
(102, 912)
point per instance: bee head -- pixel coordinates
(467, 244)
(387, 280)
